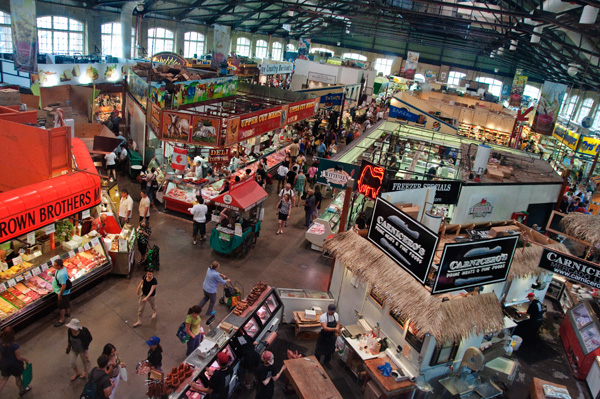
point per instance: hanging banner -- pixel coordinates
(50, 75)
(412, 59)
(335, 174)
(233, 126)
(516, 91)
(259, 122)
(221, 43)
(219, 155)
(476, 263)
(370, 179)
(138, 88)
(303, 48)
(206, 130)
(548, 107)
(154, 118)
(179, 158)
(572, 267)
(566, 136)
(205, 89)
(302, 110)
(447, 191)
(169, 58)
(175, 126)
(276, 69)
(24, 35)
(408, 243)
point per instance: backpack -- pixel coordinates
(68, 284)
(90, 390)
(181, 334)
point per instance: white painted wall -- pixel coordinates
(137, 126)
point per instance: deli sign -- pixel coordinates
(219, 155)
(572, 267)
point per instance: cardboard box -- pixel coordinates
(495, 174)
(310, 314)
(501, 231)
(10, 97)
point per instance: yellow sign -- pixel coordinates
(589, 145)
(566, 136)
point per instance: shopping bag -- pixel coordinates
(123, 373)
(27, 375)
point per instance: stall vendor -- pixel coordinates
(330, 323)
(528, 329)
(99, 225)
(218, 387)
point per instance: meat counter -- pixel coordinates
(580, 335)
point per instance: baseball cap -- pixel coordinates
(223, 357)
(268, 357)
(331, 307)
(530, 295)
(153, 341)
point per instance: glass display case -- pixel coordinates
(179, 195)
(296, 300)
(122, 249)
(580, 336)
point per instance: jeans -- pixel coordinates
(199, 227)
(192, 344)
(208, 296)
(307, 218)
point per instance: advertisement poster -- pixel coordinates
(176, 126)
(331, 101)
(24, 35)
(219, 155)
(548, 107)
(566, 136)
(157, 94)
(303, 48)
(404, 113)
(154, 118)
(233, 126)
(206, 131)
(206, 89)
(410, 244)
(138, 88)
(335, 174)
(301, 110)
(589, 145)
(370, 179)
(259, 122)
(221, 43)
(412, 59)
(50, 75)
(572, 267)
(476, 263)
(516, 91)
(447, 191)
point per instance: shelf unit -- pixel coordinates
(481, 132)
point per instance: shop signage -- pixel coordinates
(221, 44)
(169, 58)
(410, 244)
(206, 130)
(404, 113)
(50, 75)
(302, 110)
(260, 122)
(24, 34)
(548, 107)
(205, 89)
(321, 77)
(138, 88)
(158, 94)
(566, 136)
(233, 126)
(331, 99)
(370, 179)
(447, 191)
(47, 214)
(275, 69)
(154, 118)
(572, 267)
(476, 263)
(589, 145)
(175, 126)
(218, 155)
(481, 209)
(335, 174)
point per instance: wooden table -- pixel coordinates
(390, 388)
(536, 389)
(303, 374)
(305, 328)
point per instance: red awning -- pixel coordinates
(31, 207)
(242, 196)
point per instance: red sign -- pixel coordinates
(302, 110)
(219, 155)
(179, 158)
(260, 122)
(370, 179)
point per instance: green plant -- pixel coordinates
(64, 230)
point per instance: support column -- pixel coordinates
(126, 25)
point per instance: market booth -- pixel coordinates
(42, 208)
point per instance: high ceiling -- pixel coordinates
(447, 31)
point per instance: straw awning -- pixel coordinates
(447, 321)
(526, 260)
(582, 227)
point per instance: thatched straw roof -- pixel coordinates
(446, 321)
(582, 227)
(526, 259)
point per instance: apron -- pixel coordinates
(326, 340)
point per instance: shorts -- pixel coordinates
(15, 370)
(282, 216)
(110, 167)
(280, 177)
(64, 302)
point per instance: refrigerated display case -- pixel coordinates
(122, 252)
(179, 195)
(580, 335)
(296, 300)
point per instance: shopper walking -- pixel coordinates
(300, 184)
(100, 376)
(146, 291)
(154, 353)
(199, 212)
(12, 363)
(115, 366)
(312, 173)
(151, 185)
(330, 326)
(63, 292)
(266, 375)
(144, 207)
(143, 237)
(211, 283)
(78, 343)
(111, 165)
(285, 211)
(282, 171)
(125, 207)
(193, 329)
(309, 207)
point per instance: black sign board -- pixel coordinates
(475, 263)
(447, 191)
(572, 267)
(407, 242)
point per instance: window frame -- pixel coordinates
(583, 105)
(439, 349)
(531, 87)
(494, 85)
(263, 45)
(189, 42)
(112, 36)
(290, 47)
(354, 57)
(165, 39)
(56, 29)
(244, 43)
(385, 69)
(571, 103)
(277, 48)
(453, 76)
(6, 26)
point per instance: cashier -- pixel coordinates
(528, 329)
(330, 323)
(99, 225)
(218, 387)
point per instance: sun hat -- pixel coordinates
(74, 325)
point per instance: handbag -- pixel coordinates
(181, 334)
(27, 375)
(123, 373)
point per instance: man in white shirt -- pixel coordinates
(199, 213)
(144, 207)
(111, 165)
(282, 172)
(330, 326)
(125, 207)
(123, 160)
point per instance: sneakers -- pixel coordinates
(195, 242)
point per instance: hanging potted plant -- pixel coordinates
(63, 231)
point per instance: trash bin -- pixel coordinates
(135, 170)
(517, 341)
(135, 163)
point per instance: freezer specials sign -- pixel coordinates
(446, 192)
(476, 263)
(572, 267)
(410, 244)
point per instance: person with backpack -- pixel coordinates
(143, 237)
(61, 286)
(78, 343)
(11, 361)
(99, 384)
(193, 329)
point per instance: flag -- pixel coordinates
(179, 158)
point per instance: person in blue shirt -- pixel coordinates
(59, 287)
(211, 283)
(321, 150)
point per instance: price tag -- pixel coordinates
(122, 245)
(45, 266)
(86, 246)
(17, 260)
(31, 238)
(2, 287)
(85, 214)
(27, 275)
(18, 279)
(95, 242)
(71, 254)
(37, 270)
(11, 283)
(51, 228)
(54, 259)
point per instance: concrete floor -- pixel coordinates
(109, 308)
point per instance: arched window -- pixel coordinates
(111, 39)
(384, 66)
(584, 110)
(570, 107)
(495, 86)
(243, 47)
(454, 77)
(262, 48)
(277, 51)
(290, 47)
(134, 50)
(159, 40)
(320, 50)
(354, 56)
(60, 35)
(5, 33)
(193, 44)
(531, 91)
